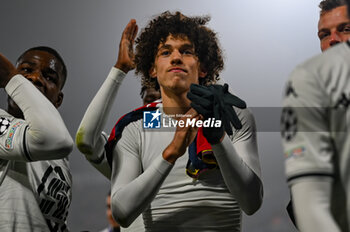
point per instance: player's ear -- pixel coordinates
(202, 72)
(153, 71)
(59, 100)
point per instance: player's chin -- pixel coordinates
(179, 83)
(181, 86)
(179, 76)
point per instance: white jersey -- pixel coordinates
(52, 185)
(315, 123)
(182, 203)
(179, 203)
(34, 195)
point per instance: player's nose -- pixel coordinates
(335, 39)
(36, 78)
(176, 57)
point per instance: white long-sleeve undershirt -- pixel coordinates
(311, 203)
(90, 138)
(46, 137)
(134, 188)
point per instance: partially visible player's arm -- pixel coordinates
(238, 160)
(89, 139)
(309, 150)
(133, 188)
(239, 165)
(311, 200)
(46, 136)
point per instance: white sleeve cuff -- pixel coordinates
(163, 166)
(14, 82)
(116, 75)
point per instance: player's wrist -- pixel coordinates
(123, 67)
(5, 79)
(170, 154)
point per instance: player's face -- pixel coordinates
(333, 27)
(45, 72)
(176, 65)
(150, 96)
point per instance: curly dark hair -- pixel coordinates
(205, 43)
(328, 5)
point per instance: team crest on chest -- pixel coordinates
(4, 125)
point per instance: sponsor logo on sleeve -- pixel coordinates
(290, 90)
(343, 102)
(295, 152)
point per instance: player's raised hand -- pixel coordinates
(126, 54)
(183, 137)
(7, 71)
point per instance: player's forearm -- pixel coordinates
(240, 179)
(89, 133)
(130, 200)
(311, 201)
(47, 136)
(99, 159)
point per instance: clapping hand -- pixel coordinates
(7, 71)
(126, 54)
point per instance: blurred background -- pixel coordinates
(262, 41)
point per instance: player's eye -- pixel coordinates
(26, 70)
(322, 35)
(165, 53)
(188, 52)
(347, 28)
(50, 78)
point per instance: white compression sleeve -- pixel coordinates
(311, 202)
(47, 136)
(89, 139)
(132, 192)
(241, 180)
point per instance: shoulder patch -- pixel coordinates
(4, 125)
(11, 134)
(295, 152)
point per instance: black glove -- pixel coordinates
(216, 102)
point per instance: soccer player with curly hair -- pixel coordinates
(184, 178)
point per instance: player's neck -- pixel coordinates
(175, 104)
